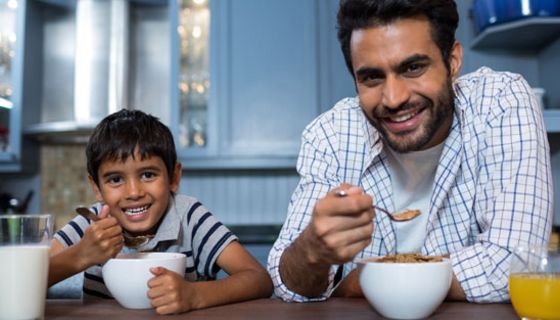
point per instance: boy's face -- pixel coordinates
(137, 191)
(404, 87)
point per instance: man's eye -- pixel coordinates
(415, 68)
(370, 80)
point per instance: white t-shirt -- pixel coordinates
(412, 176)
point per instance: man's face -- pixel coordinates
(404, 88)
(137, 191)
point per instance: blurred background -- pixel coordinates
(236, 81)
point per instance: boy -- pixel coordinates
(133, 170)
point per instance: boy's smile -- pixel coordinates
(137, 191)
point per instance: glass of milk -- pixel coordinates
(24, 263)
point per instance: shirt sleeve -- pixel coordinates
(514, 205)
(317, 167)
(72, 232)
(209, 237)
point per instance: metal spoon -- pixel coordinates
(129, 240)
(398, 217)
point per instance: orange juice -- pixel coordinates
(535, 295)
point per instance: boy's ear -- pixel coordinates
(95, 189)
(176, 177)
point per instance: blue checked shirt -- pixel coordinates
(492, 190)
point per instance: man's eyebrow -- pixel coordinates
(415, 58)
(369, 71)
(378, 72)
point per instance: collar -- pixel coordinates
(376, 173)
(168, 229)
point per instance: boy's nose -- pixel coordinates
(135, 189)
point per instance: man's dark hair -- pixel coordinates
(361, 14)
(118, 135)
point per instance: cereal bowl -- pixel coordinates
(127, 275)
(405, 290)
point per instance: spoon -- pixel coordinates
(129, 240)
(398, 217)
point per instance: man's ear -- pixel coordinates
(176, 177)
(95, 189)
(455, 60)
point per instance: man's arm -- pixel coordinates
(339, 229)
(456, 293)
(513, 202)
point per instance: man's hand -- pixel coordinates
(340, 228)
(102, 240)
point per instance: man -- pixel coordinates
(471, 153)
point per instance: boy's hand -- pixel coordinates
(169, 292)
(102, 240)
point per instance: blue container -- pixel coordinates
(483, 13)
(490, 12)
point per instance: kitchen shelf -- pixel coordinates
(528, 34)
(552, 120)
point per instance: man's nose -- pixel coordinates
(395, 92)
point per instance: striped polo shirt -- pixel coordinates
(187, 227)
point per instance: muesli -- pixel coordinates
(408, 258)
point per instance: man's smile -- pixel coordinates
(402, 122)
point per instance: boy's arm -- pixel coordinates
(64, 263)
(101, 241)
(247, 280)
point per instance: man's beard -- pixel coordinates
(439, 113)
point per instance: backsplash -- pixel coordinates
(64, 183)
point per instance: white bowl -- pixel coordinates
(405, 290)
(127, 275)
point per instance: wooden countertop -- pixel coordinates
(269, 309)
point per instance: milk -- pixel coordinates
(23, 281)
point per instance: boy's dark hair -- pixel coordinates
(361, 14)
(118, 135)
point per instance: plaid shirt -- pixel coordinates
(492, 190)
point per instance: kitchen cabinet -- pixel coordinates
(269, 72)
(11, 70)
(265, 85)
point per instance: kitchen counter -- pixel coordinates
(270, 309)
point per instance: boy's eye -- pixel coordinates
(114, 180)
(148, 175)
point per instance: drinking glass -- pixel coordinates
(534, 282)
(24, 262)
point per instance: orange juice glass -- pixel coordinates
(534, 283)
